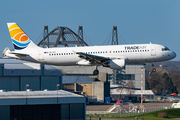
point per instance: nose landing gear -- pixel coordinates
(154, 69)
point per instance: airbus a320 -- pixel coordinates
(112, 56)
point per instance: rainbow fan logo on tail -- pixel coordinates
(19, 38)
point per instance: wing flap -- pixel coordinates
(93, 58)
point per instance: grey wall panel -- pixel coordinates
(21, 72)
(50, 82)
(9, 83)
(42, 100)
(32, 81)
(4, 113)
(15, 101)
(71, 100)
(1, 71)
(98, 90)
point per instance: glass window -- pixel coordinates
(165, 49)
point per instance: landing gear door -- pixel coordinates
(41, 56)
(153, 50)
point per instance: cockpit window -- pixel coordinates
(165, 49)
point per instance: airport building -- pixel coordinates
(131, 73)
(42, 105)
(32, 91)
(95, 89)
(16, 74)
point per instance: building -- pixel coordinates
(16, 74)
(131, 72)
(95, 89)
(42, 105)
(118, 94)
(31, 91)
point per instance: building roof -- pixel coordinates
(39, 97)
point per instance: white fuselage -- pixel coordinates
(137, 53)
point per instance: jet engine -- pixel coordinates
(117, 64)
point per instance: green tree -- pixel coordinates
(147, 87)
(168, 84)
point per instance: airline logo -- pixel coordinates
(19, 38)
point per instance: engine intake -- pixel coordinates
(117, 64)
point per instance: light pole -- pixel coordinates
(26, 92)
(57, 92)
(86, 89)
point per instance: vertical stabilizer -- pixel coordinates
(19, 39)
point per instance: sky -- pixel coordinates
(137, 21)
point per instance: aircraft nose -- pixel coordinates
(173, 54)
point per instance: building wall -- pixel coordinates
(85, 87)
(131, 72)
(98, 90)
(18, 83)
(68, 86)
(106, 89)
(73, 111)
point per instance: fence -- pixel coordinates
(139, 112)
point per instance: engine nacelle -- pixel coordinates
(117, 64)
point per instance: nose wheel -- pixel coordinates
(154, 69)
(96, 72)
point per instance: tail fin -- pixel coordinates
(19, 39)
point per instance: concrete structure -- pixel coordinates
(131, 73)
(41, 105)
(118, 94)
(94, 89)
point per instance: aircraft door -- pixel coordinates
(41, 56)
(153, 50)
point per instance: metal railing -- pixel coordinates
(139, 112)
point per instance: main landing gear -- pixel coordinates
(96, 71)
(154, 69)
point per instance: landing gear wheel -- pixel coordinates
(96, 72)
(154, 70)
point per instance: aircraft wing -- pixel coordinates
(93, 58)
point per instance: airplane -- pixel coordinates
(112, 56)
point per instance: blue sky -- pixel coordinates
(138, 21)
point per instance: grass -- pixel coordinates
(170, 113)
